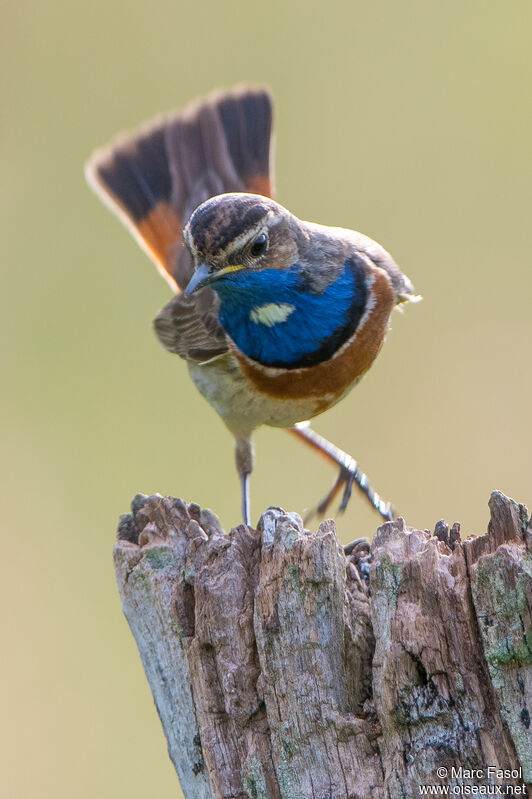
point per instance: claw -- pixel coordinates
(323, 506)
(347, 491)
(348, 476)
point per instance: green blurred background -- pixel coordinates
(408, 121)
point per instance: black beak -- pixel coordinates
(201, 276)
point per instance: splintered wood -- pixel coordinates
(283, 669)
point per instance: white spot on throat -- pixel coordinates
(272, 313)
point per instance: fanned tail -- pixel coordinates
(154, 178)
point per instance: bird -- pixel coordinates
(276, 318)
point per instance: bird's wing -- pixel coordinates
(189, 326)
(155, 178)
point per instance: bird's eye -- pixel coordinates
(259, 245)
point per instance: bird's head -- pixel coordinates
(233, 234)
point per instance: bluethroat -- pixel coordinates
(277, 319)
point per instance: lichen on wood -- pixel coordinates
(283, 668)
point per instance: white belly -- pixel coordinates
(239, 403)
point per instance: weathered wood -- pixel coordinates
(283, 669)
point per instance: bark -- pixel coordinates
(283, 668)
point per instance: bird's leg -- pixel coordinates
(244, 465)
(349, 474)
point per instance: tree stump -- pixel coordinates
(283, 668)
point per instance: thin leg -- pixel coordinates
(348, 476)
(244, 465)
(246, 510)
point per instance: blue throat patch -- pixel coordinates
(275, 319)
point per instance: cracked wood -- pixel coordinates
(283, 669)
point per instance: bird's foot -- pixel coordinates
(345, 481)
(348, 476)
